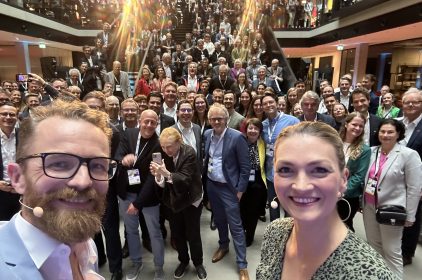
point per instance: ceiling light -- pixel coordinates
(42, 45)
(340, 47)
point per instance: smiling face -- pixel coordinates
(72, 207)
(354, 128)
(388, 135)
(308, 185)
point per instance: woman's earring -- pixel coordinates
(348, 205)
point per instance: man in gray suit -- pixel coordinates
(235, 119)
(275, 73)
(120, 81)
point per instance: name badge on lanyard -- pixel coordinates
(252, 176)
(118, 88)
(134, 177)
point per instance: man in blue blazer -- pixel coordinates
(63, 194)
(226, 174)
(412, 115)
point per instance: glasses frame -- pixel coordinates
(82, 160)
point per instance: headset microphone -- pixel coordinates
(37, 211)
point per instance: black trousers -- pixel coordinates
(411, 235)
(343, 210)
(111, 224)
(185, 228)
(251, 205)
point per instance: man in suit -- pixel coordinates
(106, 35)
(9, 199)
(169, 68)
(199, 52)
(170, 100)
(263, 79)
(180, 179)
(191, 132)
(360, 102)
(275, 73)
(412, 115)
(88, 57)
(137, 192)
(155, 101)
(226, 173)
(62, 207)
(252, 69)
(343, 95)
(309, 103)
(74, 78)
(222, 81)
(120, 81)
(235, 119)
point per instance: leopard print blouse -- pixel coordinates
(353, 258)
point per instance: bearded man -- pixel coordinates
(61, 172)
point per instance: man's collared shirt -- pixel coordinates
(171, 112)
(188, 135)
(366, 132)
(51, 257)
(215, 163)
(8, 150)
(410, 127)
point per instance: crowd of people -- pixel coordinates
(200, 128)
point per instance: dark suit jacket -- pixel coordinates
(147, 195)
(236, 165)
(197, 54)
(9, 202)
(228, 85)
(323, 118)
(415, 141)
(187, 186)
(374, 123)
(198, 137)
(165, 121)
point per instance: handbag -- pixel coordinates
(393, 215)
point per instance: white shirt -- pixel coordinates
(171, 112)
(410, 128)
(366, 131)
(187, 135)
(51, 257)
(8, 151)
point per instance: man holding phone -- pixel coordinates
(9, 199)
(137, 192)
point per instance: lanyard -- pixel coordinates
(271, 131)
(115, 79)
(137, 148)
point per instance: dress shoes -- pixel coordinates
(117, 275)
(243, 274)
(407, 260)
(219, 254)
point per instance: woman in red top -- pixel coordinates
(144, 86)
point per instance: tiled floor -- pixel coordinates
(226, 268)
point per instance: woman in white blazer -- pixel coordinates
(394, 178)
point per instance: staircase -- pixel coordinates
(184, 25)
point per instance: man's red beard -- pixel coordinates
(67, 225)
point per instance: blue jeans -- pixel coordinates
(226, 210)
(152, 217)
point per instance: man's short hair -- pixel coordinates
(218, 106)
(95, 94)
(363, 91)
(299, 82)
(311, 95)
(181, 102)
(155, 94)
(59, 109)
